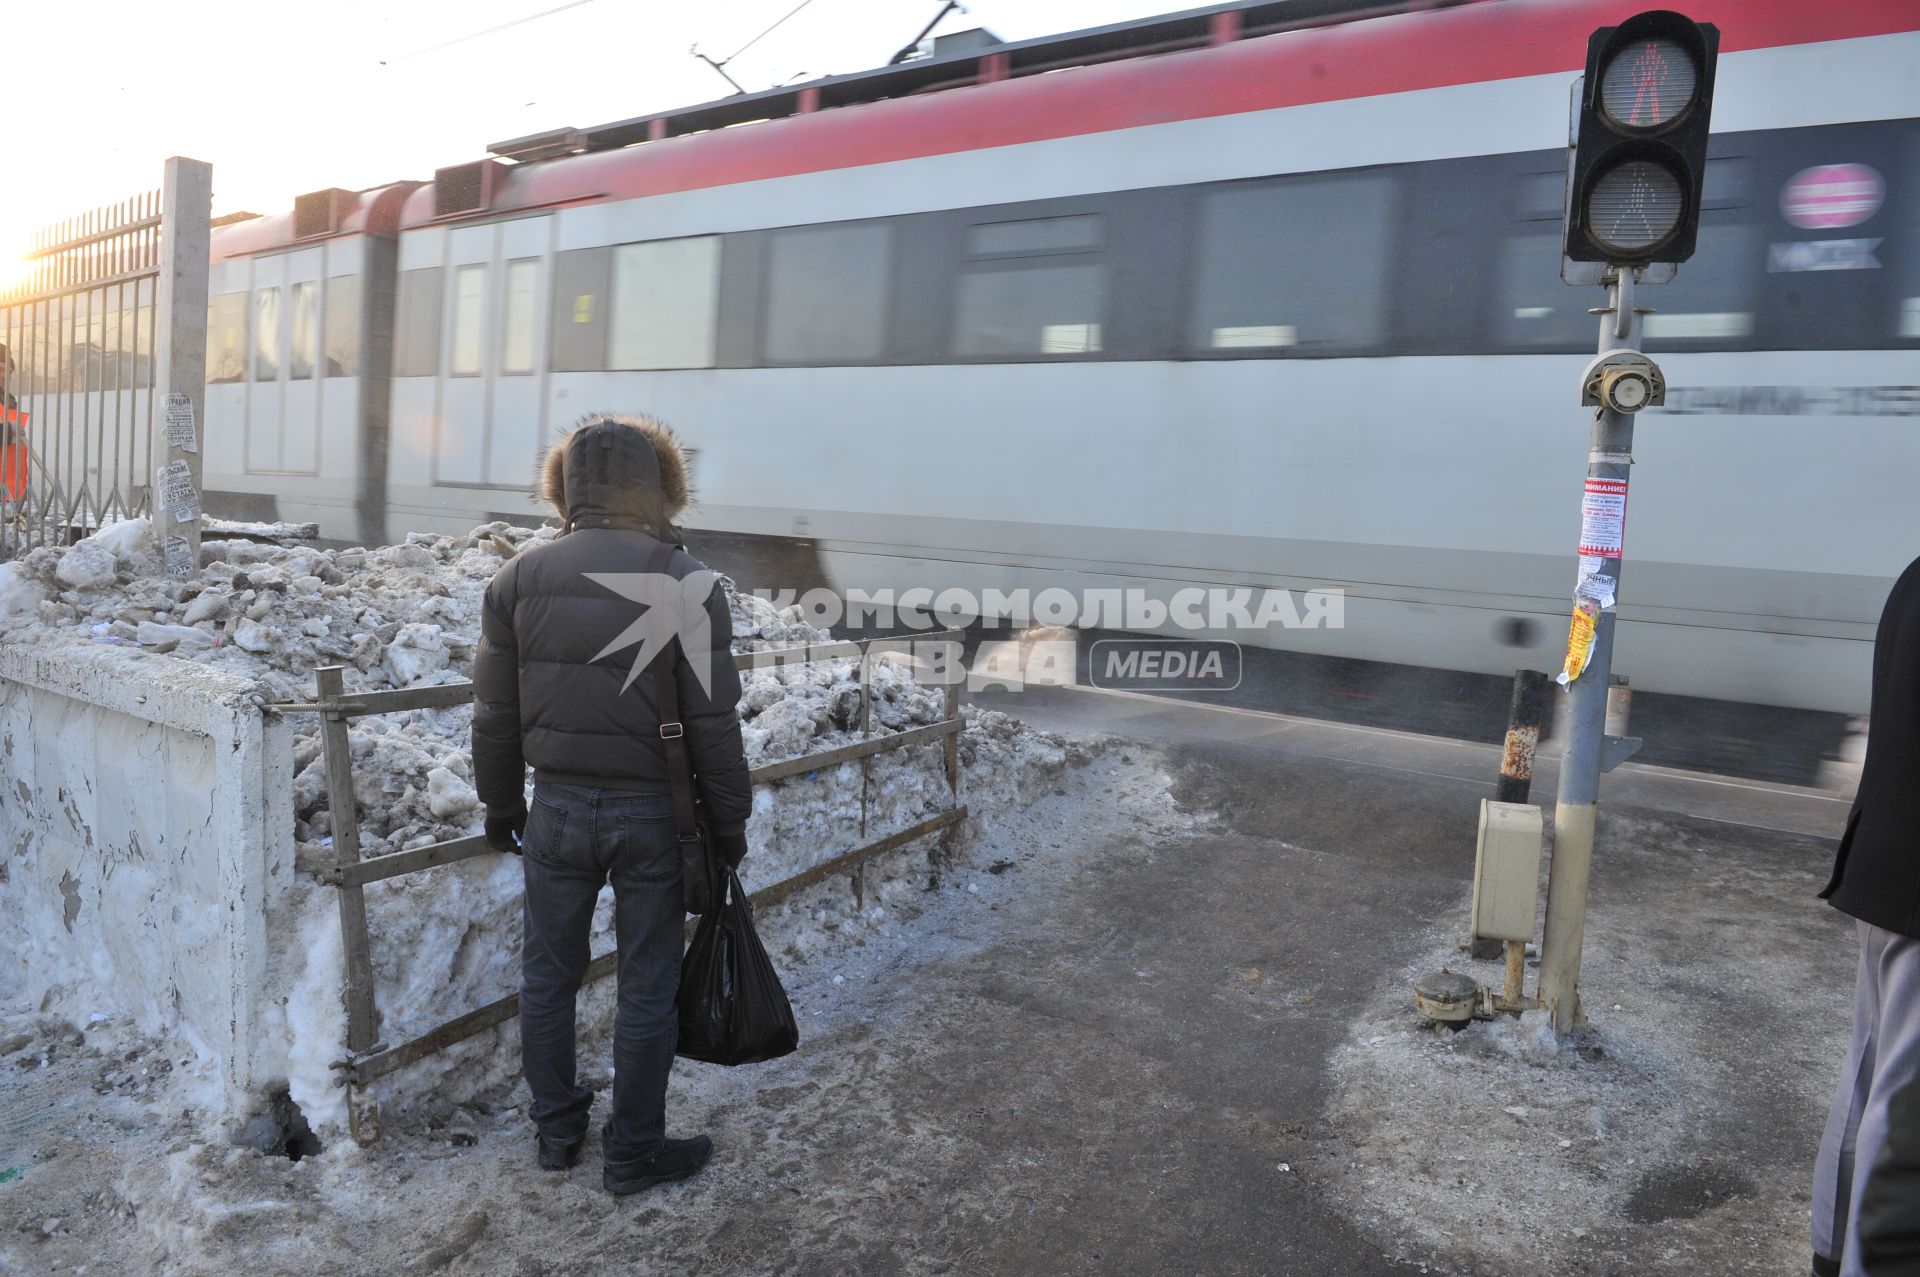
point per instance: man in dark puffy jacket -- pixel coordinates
(555, 688)
(1876, 880)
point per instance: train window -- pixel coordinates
(143, 335)
(827, 293)
(416, 327)
(1533, 309)
(1906, 248)
(103, 345)
(1016, 310)
(469, 319)
(226, 338)
(1034, 235)
(516, 321)
(340, 352)
(577, 322)
(665, 296)
(306, 331)
(1034, 287)
(1296, 263)
(1709, 303)
(266, 334)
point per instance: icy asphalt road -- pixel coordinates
(1150, 1043)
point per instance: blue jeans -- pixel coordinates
(1884, 1056)
(576, 841)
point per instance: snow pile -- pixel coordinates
(446, 940)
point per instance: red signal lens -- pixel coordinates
(1648, 85)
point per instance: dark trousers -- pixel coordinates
(576, 841)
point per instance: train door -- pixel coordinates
(301, 384)
(266, 326)
(461, 439)
(490, 420)
(516, 426)
(282, 399)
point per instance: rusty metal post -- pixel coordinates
(1516, 970)
(1524, 714)
(1619, 706)
(1523, 736)
(951, 745)
(344, 820)
(866, 766)
(866, 729)
(950, 757)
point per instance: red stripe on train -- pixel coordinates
(1499, 39)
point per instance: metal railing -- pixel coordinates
(105, 337)
(368, 1057)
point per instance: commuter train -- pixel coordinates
(1264, 295)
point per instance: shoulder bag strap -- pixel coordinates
(673, 733)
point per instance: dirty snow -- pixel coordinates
(102, 1172)
(1503, 1145)
(405, 615)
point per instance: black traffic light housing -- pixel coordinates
(1640, 140)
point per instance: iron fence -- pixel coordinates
(105, 337)
(369, 1057)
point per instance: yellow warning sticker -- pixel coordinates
(1579, 640)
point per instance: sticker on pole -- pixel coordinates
(1580, 635)
(1830, 196)
(179, 556)
(1603, 517)
(180, 426)
(175, 482)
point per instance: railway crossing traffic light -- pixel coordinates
(1640, 149)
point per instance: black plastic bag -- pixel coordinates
(732, 1008)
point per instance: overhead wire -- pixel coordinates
(517, 22)
(764, 34)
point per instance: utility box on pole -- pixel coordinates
(1506, 871)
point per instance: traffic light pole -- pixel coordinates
(1588, 750)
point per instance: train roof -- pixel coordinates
(983, 61)
(1222, 60)
(1328, 52)
(315, 216)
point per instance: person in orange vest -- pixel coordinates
(13, 435)
(8, 403)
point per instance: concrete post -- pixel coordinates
(180, 357)
(1609, 457)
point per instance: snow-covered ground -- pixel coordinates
(445, 941)
(1709, 972)
(111, 1172)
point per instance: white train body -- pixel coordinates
(1279, 311)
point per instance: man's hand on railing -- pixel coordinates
(504, 829)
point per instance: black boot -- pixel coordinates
(558, 1156)
(677, 1159)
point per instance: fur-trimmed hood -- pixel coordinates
(617, 472)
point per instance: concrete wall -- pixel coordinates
(146, 831)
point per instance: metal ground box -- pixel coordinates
(1506, 871)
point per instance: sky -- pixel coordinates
(283, 98)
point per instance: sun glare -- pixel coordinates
(14, 266)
